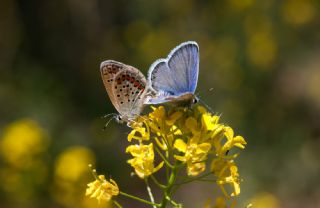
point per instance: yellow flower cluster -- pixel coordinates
(102, 189)
(187, 136)
(143, 159)
(22, 143)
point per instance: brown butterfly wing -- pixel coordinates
(125, 86)
(108, 70)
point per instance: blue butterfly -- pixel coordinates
(175, 78)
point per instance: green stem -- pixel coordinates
(175, 204)
(149, 191)
(164, 159)
(193, 179)
(117, 204)
(157, 182)
(165, 140)
(166, 196)
(167, 168)
(139, 199)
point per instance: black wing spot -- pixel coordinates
(118, 95)
(121, 102)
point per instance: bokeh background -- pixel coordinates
(262, 59)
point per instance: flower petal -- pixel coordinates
(180, 145)
(173, 118)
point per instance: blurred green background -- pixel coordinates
(262, 59)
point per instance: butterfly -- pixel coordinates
(174, 79)
(126, 87)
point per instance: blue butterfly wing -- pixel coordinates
(160, 78)
(184, 64)
(176, 75)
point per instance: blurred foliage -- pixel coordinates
(261, 57)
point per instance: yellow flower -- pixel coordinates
(217, 133)
(143, 134)
(173, 118)
(205, 125)
(101, 189)
(227, 173)
(190, 135)
(156, 121)
(232, 141)
(192, 124)
(143, 159)
(201, 109)
(22, 143)
(162, 124)
(70, 170)
(72, 164)
(161, 143)
(209, 122)
(158, 113)
(194, 155)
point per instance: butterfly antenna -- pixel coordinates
(209, 90)
(202, 102)
(106, 125)
(107, 115)
(207, 106)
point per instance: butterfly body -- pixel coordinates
(174, 79)
(126, 87)
(184, 99)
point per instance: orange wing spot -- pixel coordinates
(127, 77)
(132, 80)
(136, 84)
